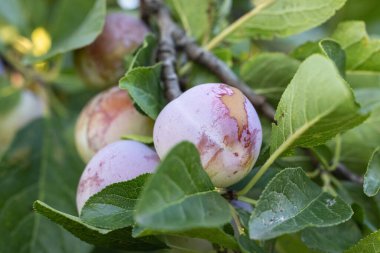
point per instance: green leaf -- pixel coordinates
(359, 79)
(249, 246)
(182, 244)
(333, 50)
(307, 115)
(120, 238)
(143, 85)
(359, 143)
(285, 18)
(194, 17)
(73, 26)
(139, 138)
(327, 47)
(369, 244)
(269, 74)
(40, 164)
(145, 54)
(367, 212)
(180, 199)
(9, 98)
(333, 239)
(290, 244)
(292, 202)
(362, 52)
(372, 176)
(113, 207)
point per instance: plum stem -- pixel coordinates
(236, 220)
(248, 200)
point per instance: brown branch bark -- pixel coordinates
(344, 173)
(221, 70)
(207, 59)
(166, 49)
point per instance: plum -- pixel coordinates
(107, 117)
(101, 64)
(116, 162)
(221, 122)
(29, 107)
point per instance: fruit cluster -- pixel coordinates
(222, 124)
(217, 118)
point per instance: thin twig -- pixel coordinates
(340, 171)
(166, 50)
(343, 172)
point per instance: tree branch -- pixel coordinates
(221, 70)
(205, 58)
(166, 50)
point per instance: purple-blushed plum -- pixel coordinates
(116, 162)
(29, 108)
(105, 119)
(101, 64)
(221, 122)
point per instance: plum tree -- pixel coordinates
(107, 117)
(221, 122)
(29, 107)
(101, 64)
(116, 162)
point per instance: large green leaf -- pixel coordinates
(372, 176)
(143, 85)
(40, 164)
(194, 17)
(73, 25)
(369, 244)
(119, 239)
(362, 52)
(333, 239)
(180, 198)
(285, 17)
(269, 73)
(308, 115)
(144, 55)
(292, 202)
(359, 143)
(367, 212)
(113, 207)
(363, 63)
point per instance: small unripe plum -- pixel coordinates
(116, 162)
(221, 122)
(101, 64)
(29, 107)
(105, 119)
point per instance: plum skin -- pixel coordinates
(105, 119)
(101, 64)
(221, 122)
(119, 161)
